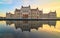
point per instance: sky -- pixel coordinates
(45, 5)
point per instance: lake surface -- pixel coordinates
(29, 29)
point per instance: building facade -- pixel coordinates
(28, 13)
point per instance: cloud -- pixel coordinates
(6, 2)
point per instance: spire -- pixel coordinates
(16, 8)
(22, 6)
(37, 8)
(55, 11)
(29, 5)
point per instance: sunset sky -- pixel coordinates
(45, 5)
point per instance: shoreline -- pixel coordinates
(46, 19)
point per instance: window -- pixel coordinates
(25, 10)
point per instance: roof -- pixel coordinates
(34, 9)
(17, 9)
(26, 7)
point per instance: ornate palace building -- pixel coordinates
(28, 13)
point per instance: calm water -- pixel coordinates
(29, 29)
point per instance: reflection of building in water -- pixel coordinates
(28, 25)
(53, 23)
(27, 12)
(50, 23)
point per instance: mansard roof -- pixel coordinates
(17, 9)
(26, 7)
(8, 13)
(53, 11)
(34, 9)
